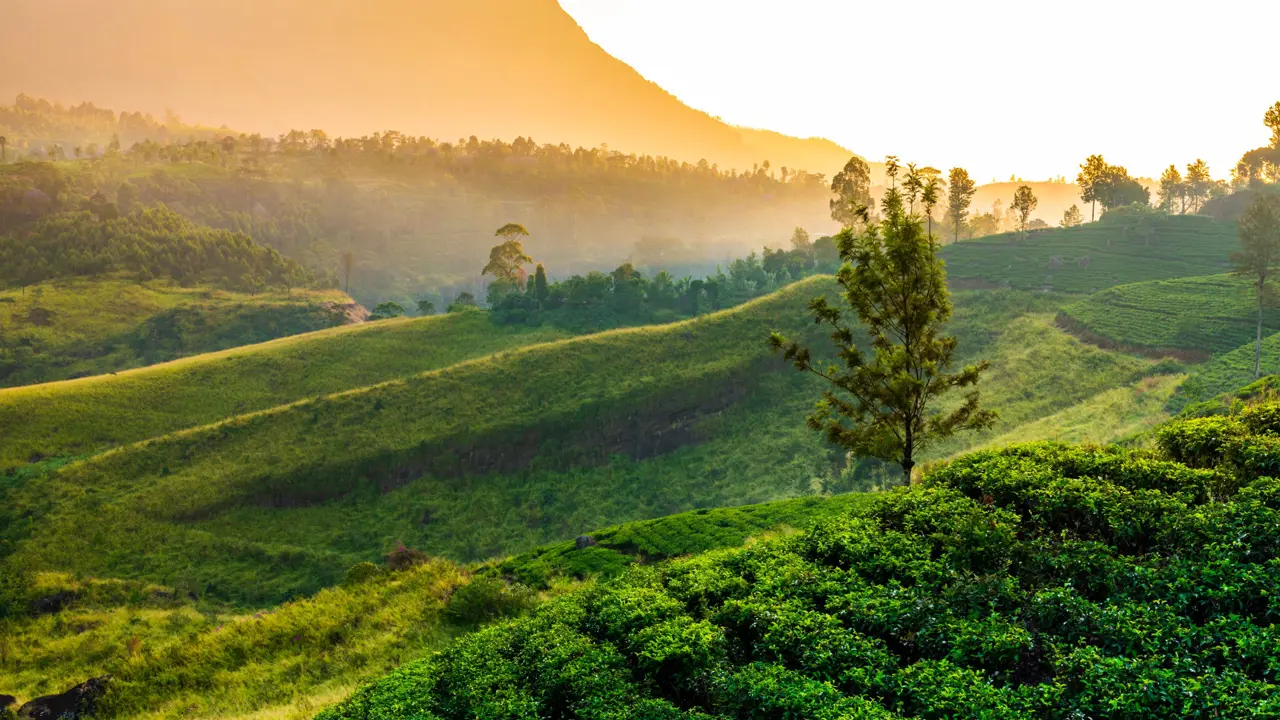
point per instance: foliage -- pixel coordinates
(1259, 253)
(852, 190)
(386, 311)
(1195, 316)
(1040, 581)
(893, 281)
(361, 572)
(1072, 217)
(1222, 375)
(150, 244)
(959, 197)
(486, 599)
(1024, 202)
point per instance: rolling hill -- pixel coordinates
(1193, 318)
(444, 68)
(498, 454)
(1121, 248)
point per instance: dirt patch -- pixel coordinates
(40, 317)
(1083, 334)
(346, 313)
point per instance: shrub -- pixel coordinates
(485, 599)
(403, 558)
(361, 573)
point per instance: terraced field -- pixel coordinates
(1193, 317)
(1117, 250)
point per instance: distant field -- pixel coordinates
(80, 417)
(80, 327)
(500, 454)
(1197, 315)
(1096, 256)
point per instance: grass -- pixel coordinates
(1197, 316)
(1095, 256)
(500, 454)
(79, 327)
(81, 417)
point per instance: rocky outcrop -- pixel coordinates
(78, 702)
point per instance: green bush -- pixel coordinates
(362, 572)
(485, 599)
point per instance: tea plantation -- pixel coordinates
(1037, 581)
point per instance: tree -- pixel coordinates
(4, 146)
(930, 194)
(891, 168)
(1173, 192)
(426, 307)
(800, 240)
(1072, 217)
(348, 261)
(852, 190)
(1091, 175)
(540, 289)
(1024, 202)
(465, 301)
(893, 281)
(1259, 252)
(507, 260)
(386, 311)
(1272, 121)
(959, 197)
(1198, 184)
(1114, 188)
(912, 186)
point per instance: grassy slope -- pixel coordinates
(80, 417)
(79, 327)
(1179, 246)
(286, 499)
(1210, 314)
(1227, 372)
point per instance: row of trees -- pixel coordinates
(1187, 194)
(150, 243)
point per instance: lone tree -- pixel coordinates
(930, 194)
(541, 291)
(1072, 217)
(1091, 177)
(1259, 253)
(1024, 202)
(507, 261)
(893, 281)
(959, 197)
(852, 190)
(426, 307)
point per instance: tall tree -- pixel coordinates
(930, 195)
(894, 283)
(1198, 184)
(800, 240)
(912, 186)
(1091, 175)
(541, 291)
(1072, 217)
(891, 168)
(1259, 253)
(1272, 121)
(959, 197)
(1114, 188)
(1024, 202)
(852, 190)
(507, 260)
(348, 261)
(1173, 196)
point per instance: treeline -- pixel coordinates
(627, 296)
(147, 244)
(36, 128)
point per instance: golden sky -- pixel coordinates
(997, 86)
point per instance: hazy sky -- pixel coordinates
(997, 86)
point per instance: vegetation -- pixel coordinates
(1127, 246)
(1224, 373)
(959, 197)
(83, 417)
(1259, 253)
(895, 284)
(1024, 202)
(1190, 317)
(1039, 581)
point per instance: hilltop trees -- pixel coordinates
(1173, 192)
(1259, 253)
(852, 190)
(1089, 180)
(930, 194)
(1199, 185)
(959, 197)
(1024, 202)
(893, 281)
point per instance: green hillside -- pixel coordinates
(1226, 372)
(83, 416)
(499, 454)
(78, 327)
(1193, 317)
(1037, 581)
(1120, 248)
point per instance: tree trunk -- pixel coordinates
(1257, 347)
(1093, 211)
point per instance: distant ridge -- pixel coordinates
(442, 68)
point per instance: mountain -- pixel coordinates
(443, 68)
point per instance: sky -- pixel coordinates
(999, 87)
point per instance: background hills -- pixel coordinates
(444, 68)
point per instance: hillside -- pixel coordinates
(79, 327)
(499, 454)
(1192, 318)
(1226, 372)
(1038, 581)
(353, 70)
(81, 417)
(1119, 249)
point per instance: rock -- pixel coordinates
(584, 541)
(75, 703)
